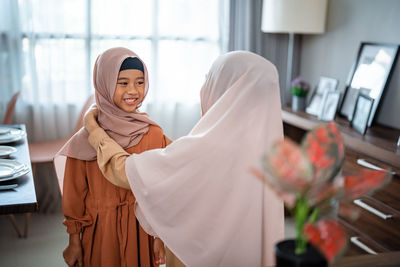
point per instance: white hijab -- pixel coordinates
(197, 194)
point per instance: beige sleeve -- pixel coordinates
(111, 157)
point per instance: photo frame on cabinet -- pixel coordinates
(330, 105)
(325, 84)
(362, 113)
(370, 73)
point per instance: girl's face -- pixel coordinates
(129, 91)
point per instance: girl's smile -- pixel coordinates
(131, 101)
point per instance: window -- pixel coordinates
(60, 40)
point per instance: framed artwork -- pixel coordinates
(329, 106)
(370, 75)
(362, 113)
(325, 84)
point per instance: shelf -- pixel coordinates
(379, 142)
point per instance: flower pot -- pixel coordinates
(298, 103)
(285, 255)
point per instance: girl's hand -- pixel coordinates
(73, 253)
(159, 251)
(90, 119)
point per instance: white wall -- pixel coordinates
(349, 23)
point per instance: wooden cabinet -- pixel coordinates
(379, 221)
(377, 229)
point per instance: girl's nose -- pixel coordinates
(132, 88)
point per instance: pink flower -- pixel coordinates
(300, 83)
(365, 182)
(325, 150)
(288, 167)
(327, 236)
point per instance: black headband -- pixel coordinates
(132, 63)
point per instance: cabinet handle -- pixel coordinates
(367, 164)
(374, 211)
(358, 243)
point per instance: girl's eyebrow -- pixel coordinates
(123, 78)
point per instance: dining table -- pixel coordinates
(18, 195)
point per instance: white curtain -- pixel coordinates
(48, 49)
(48, 68)
(10, 50)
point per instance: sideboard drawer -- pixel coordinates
(379, 223)
(358, 243)
(390, 194)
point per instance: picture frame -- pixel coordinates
(316, 101)
(362, 113)
(330, 106)
(371, 72)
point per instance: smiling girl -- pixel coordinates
(99, 216)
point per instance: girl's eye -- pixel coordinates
(123, 83)
(140, 83)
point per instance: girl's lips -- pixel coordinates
(130, 101)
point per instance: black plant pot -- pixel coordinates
(285, 256)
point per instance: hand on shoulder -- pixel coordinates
(90, 119)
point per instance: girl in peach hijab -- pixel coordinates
(197, 194)
(99, 216)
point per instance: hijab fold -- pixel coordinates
(197, 194)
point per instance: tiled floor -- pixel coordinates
(43, 247)
(46, 241)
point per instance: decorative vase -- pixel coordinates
(286, 256)
(298, 103)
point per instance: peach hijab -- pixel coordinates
(127, 129)
(197, 194)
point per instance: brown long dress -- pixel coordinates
(104, 214)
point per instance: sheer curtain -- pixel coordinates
(10, 67)
(48, 49)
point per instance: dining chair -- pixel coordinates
(10, 108)
(44, 152)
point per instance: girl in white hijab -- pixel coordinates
(197, 194)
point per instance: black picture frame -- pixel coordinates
(329, 106)
(371, 71)
(362, 113)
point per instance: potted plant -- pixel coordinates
(299, 89)
(307, 177)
